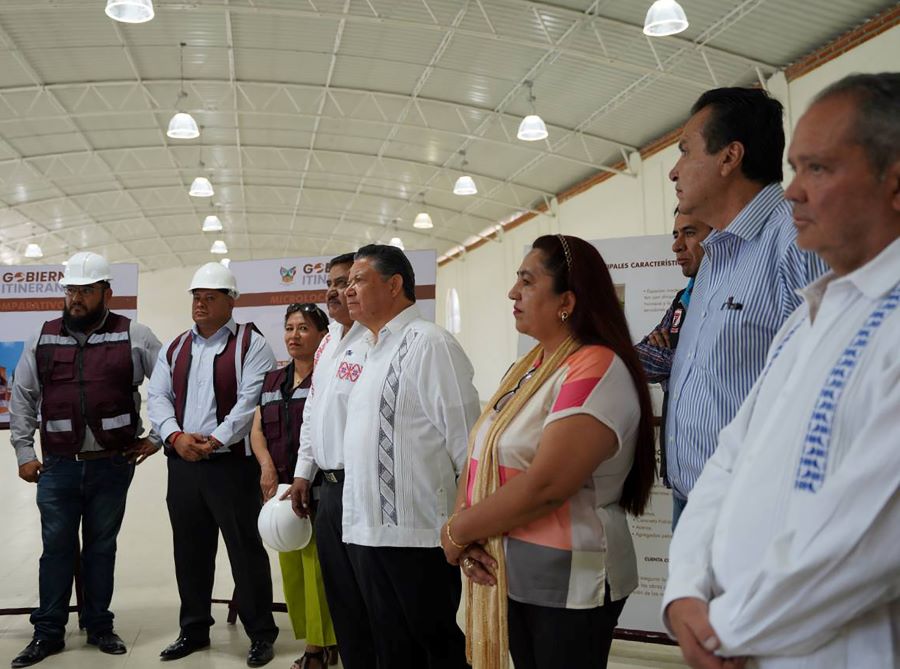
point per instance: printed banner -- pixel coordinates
(269, 286)
(30, 295)
(646, 277)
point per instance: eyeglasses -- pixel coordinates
(84, 291)
(504, 399)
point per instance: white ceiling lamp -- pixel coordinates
(423, 221)
(219, 247)
(182, 125)
(33, 251)
(212, 224)
(397, 242)
(465, 185)
(665, 17)
(130, 11)
(201, 187)
(225, 262)
(532, 127)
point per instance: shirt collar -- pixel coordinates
(231, 326)
(752, 218)
(875, 279)
(398, 322)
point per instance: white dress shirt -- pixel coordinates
(200, 404)
(792, 532)
(339, 363)
(407, 432)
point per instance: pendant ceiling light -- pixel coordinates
(396, 241)
(665, 17)
(182, 125)
(212, 224)
(423, 221)
(225, 261)
(465, 185)
(130, 11)
(532, 127)
(219, 247)
(201, 187)
(34, 251)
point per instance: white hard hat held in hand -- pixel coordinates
(279, 527)
(85, 268)
(215, 276)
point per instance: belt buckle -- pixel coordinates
(330, 477)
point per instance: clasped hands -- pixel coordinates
(194, 447)
(473, 559)
(688, 619)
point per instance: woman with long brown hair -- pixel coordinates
(563, 450)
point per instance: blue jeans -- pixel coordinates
(678, 504)
(91, 494)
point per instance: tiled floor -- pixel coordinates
(146, 600)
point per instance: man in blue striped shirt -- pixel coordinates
(729, 175)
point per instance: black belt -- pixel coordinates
(333, 475)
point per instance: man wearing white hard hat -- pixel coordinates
(81, 374)
(201, 402)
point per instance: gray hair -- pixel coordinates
(877, 124)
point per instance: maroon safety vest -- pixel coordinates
(225, 366)
(281, 409)
(90, 385)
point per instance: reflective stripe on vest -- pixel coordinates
(86, 386)
(281, 418)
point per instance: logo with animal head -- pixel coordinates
(288, 274)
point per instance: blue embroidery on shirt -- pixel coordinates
(814, 459)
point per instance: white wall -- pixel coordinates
(618, 207)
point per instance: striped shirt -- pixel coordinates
(744, 291)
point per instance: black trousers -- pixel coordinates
(413, 595)
(352, 625)
(219, 494)
(541, 636)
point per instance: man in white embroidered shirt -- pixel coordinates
(404, 447)
(808, 573)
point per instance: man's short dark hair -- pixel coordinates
(753, 118)
(343, 259)
(877, 124)
(388, 261)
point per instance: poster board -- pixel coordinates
(268, 286)
(31, 295)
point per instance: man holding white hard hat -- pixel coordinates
(81, 375)
(201, 401)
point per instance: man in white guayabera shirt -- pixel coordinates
(788, 555)
(405, 444)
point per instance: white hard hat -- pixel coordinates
(85, 268)
(279, 527)
(215, 275)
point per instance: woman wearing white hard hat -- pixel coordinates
(275, 438)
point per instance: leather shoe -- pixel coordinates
(36, 651)
(108, 642)
(182, 647)
(261, 653)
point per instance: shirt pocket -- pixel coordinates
(63, 362)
